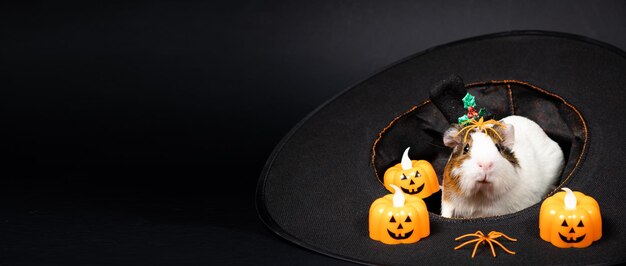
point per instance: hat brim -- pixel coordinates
(319, 182)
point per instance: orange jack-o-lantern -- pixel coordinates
(570, 219)
(398, 218)
(413, 177)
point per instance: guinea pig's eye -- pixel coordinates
(498, 147)
(466, 149)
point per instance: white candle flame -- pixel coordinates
(398, 196)
(570, 199)
(406, 162)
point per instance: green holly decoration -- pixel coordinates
(463, 120)
(468, 101)
(482, 112)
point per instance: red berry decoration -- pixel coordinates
(471, 112)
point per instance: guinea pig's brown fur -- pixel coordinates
(451, 183)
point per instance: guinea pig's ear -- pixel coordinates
(451, 137)
(507, 132)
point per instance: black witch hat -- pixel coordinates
(318, 184)
(446, 95)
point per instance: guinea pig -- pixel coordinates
(499, 171)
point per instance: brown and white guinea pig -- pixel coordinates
(487, 176)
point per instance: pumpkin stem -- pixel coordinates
(406, 162)
(570, 199)
(398, 196)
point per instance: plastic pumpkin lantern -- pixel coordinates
(570, 219)
(398, 218)
(414, 177)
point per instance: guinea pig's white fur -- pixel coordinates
(505, 188)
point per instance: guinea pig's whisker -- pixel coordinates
(438, 146)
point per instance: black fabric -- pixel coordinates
(319, 182)
(445, 96)
(421, 128)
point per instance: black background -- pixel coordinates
(136, 132)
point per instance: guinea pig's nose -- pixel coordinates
(486, 166)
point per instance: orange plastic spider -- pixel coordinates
(480, 125)
(490, 238)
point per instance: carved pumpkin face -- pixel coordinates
(398, 218)
(570, 219)
(400, 225)
(413, 177)
(574, 231)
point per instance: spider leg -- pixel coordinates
(491, 245)
(476, 246)
(466, 235)
(494, 235)
(507, 237)
(466, 134)
(502, 246)
(468, 242)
